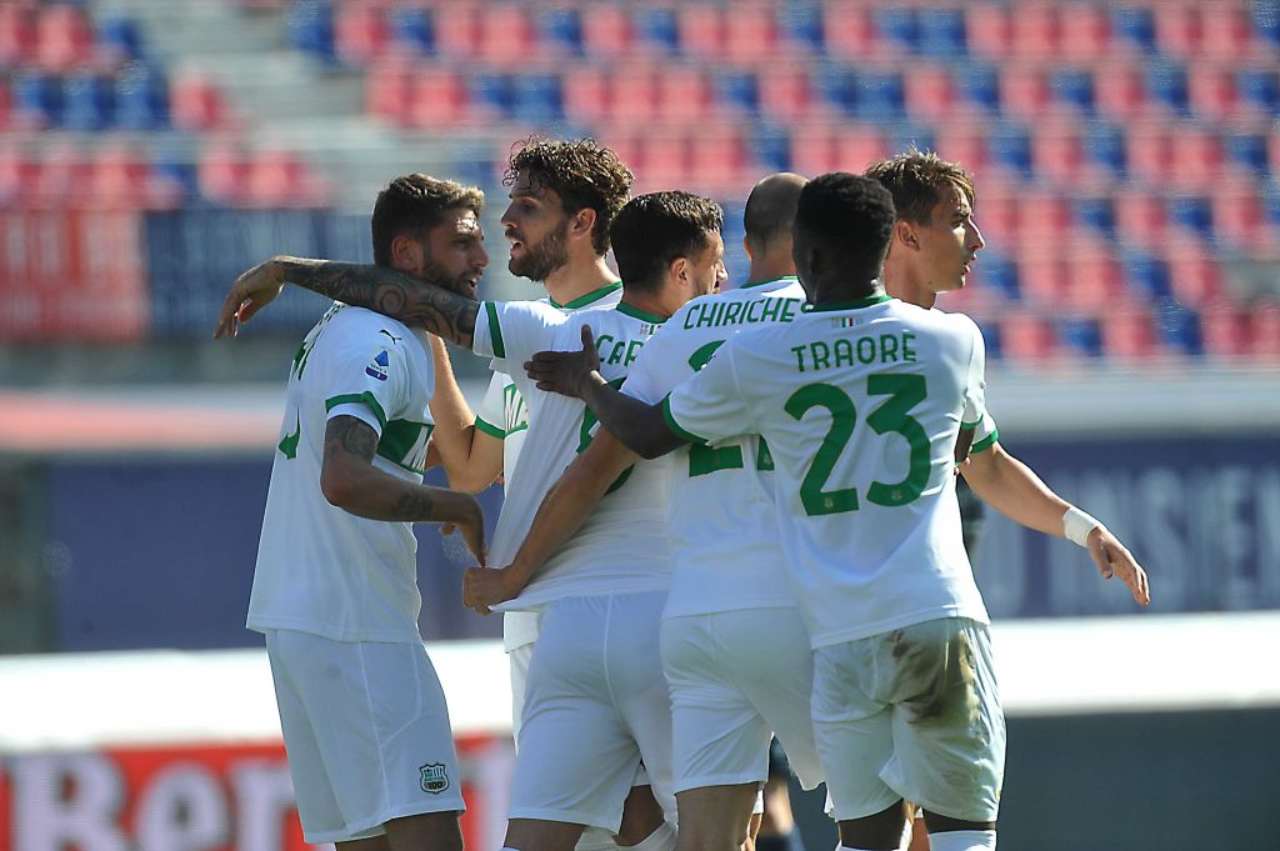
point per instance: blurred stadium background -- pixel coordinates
(1128, 162)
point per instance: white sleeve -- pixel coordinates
(975, 400)
(985, 435)
(368, 379)
(511, 331)
(709, 406)
(491, 416)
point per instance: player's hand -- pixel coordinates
(1114, 559)
(470, 522)
(484, 587)
(251, 292)
(565, 372)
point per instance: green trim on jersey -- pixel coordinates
(869, 301)
(751, 284)
(970, 426)
(289, 443)
(489, 428)
(687, 436)
(398, 438)
(366, 398)
(636, 313)
(589, 298)
(986, 442)
(495, 331)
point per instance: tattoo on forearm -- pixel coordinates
(416, 506)
(418, 304)
(348, 434)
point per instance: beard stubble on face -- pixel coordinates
(540, 261)
(438, 275)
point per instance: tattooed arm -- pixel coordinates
(349, 481)
(418, 304)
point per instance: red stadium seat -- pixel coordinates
(1141, 218)
(1150, 153)
(785, 94)
(1128, 334)
(751, 32)
(1057, 152)
(1043, 275)
(1195, 275)
(684, 94)
(702, 29)
(1264, 320)
(929, 91)
(1085, 33)
(1227, 330)
(607, 32)
(1045, 217)
(19, 175)
(1035, 29)
(122, 180)
(813, 149)
(665, 160)
(197, 103)
(1178, 28)
(457, 25)
(360, 32)
(1028, 338)
(507, 35)
(1238, 214)
(64, 178)
(64, 38)
(223, 174)
(998, 214)
(1024, 89)
(1212, 91)
(964, 143)
(1121, 90)
(718, 162)
(989, 29)
(389, 91)
(1198, 159)
(439, 99)
(1096, 280)
(586, 94)
(1226, 33)
(634, 92)
(280, 179)
(849, 31)
(17, 35)
(858, 146)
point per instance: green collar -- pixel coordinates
(634, 312)
(593, 296)
(787, 278)
(847, 305)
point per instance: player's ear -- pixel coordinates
(582, 222)
(746, 246)
(407, 254)
(679, 270)
(905, 232)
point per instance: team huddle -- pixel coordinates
(728, 516)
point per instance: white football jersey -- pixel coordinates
(504, 415)
(721, 517)
(860, 404)
(321, 569)
(622, 547)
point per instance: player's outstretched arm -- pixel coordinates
(418, 304)
(563, 511)
(640, 427)
(349, 481)
(1013, 489)
(472, 459)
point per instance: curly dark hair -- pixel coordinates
(653, 230)
(917, 180)
(416, 202)
(582, 172)
(851, 216)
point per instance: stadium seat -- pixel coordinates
(1043, 276)
(196, 102)
(1193, 214)
(64, 39)
(1259, 90)
(1024, 90)
(879, 95)
(1045, 217)
(1010, 150)
(19, 176)
(1197, 160)
(702, 29)
(750, 33)
(1194, 274)
(606, 30)
(1081, 335)
(1096, 215)
(17, 35)
(1226, 33)
(1266, 21)
(1085, 32)
(1134, 26)
(1073, 89)
(491, 95)
(1140, 218)
(121, 179)
(560, 30)
(813, 149)
(1167, 87)
(1095, 278)
(507, 35)
(537, 99)
(718, 161)
(684, 94)
(1264, 321)
(1128, 334)
(413, 30)
(142, 98)
(1150, 154)
(999, 273)
(1239, 214)
(905, 136)
(1178, 328)
(771, 147)
(658, 29)
(848, 31)
(223, 174)
(739, 91)
(1105, 149)
(634, 93)
(928, 91)
(665, 161)
(457, 26)
(988, 29)
(120, 39)
(361, 33)
(586, 95)
(1122, 92)
(440, 99)
(965, 143)
(389, 91)
(311, 29)
(992, 340)
(1057, 152)
(785, 94)
(1027, 338)
(1148, 276)
(1178, 28)
(858, 146)
(998, 212)
(279, 179)
(37, 100)
(801, 25)
(89, 103)
(63, 178)
(1035, 29)
(980, 86)
(1212, 92)
(1226, 330)
(943, 33)
(1247, 152)
(898, 26)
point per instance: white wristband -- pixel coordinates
(1077, 525)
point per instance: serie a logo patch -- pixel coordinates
(378, 369)
(433, 778)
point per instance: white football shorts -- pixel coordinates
(596, 705)
(913, 713)
(738, 678)
(366, 730)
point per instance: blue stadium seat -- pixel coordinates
(562, 27)
(1097, 214)
(898, 24)
(38, 96)
(902, 137)
(1248, 151)
(537, 98)
(1105, 146)
(1136, 25)
(414, 28)
(1266, 20)
(942, 33)
(121, 34)
(802, 23)
(838, 85)
(311, 29)
(1179, 329)
(771, 146)
(1193, 213)
(991, 337)
(739, 89)
(182, 173)
(1000, 273)
(1081, 335)
(1073, 87)
(880, 95)
(89, 102)
(142, 98)
(1167, 85)
(979, 84)
(492, 91)
(1261, 88)
(1148, 275)
(1010, 147)
(659, 27)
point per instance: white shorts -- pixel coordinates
(366, 730)
(519, 658)
(596, 705)
(915, 714)
(737, 678)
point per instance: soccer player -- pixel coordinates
(567, 778)
(729, 690)
(335, 587)
(861, 399)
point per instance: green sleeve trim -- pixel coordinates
(970, 426)
(366, 398)
(495, 331)
(986, 442)
(687, 436)
(490, 429)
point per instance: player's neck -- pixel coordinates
(901, 284)
(769, 269)
(578, 278)
(662, 303)
(843, 292)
